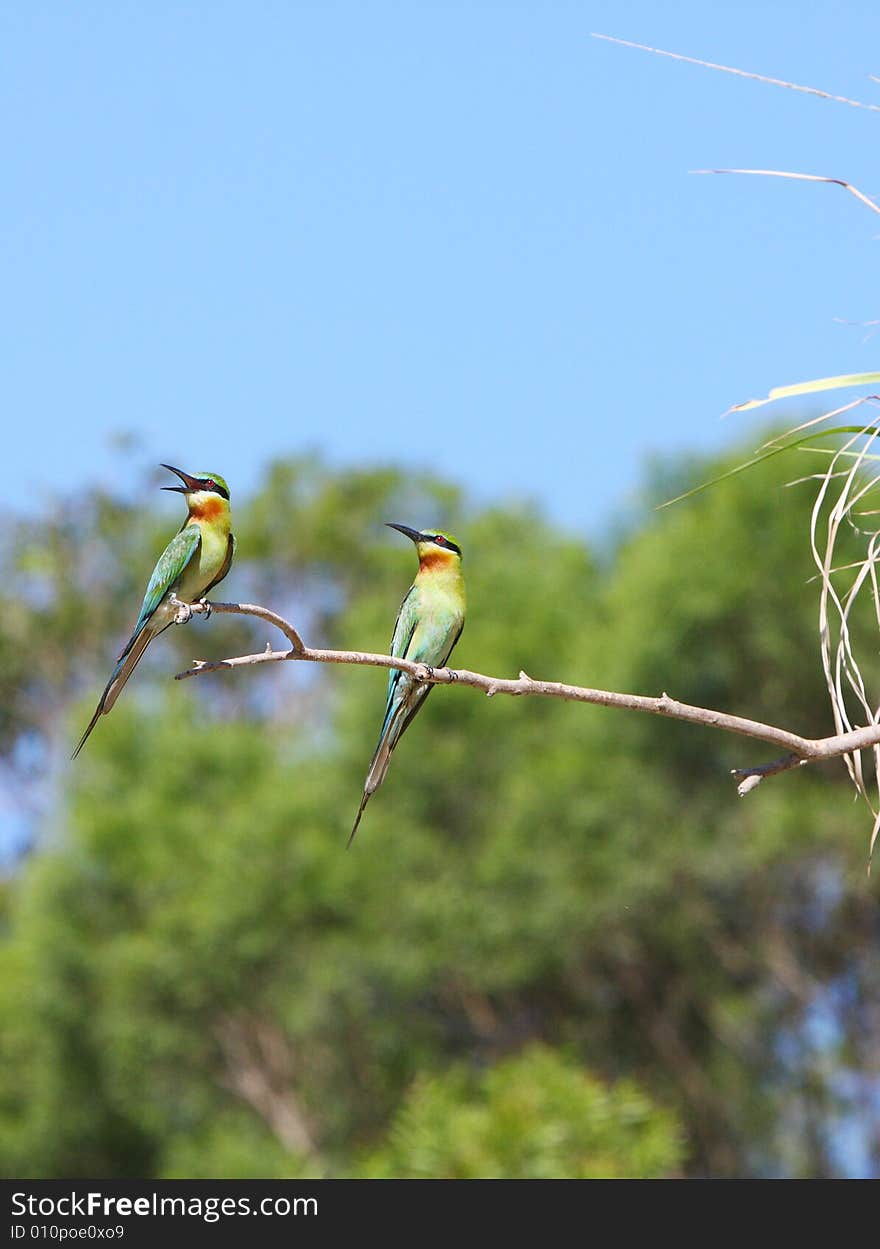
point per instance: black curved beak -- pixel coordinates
(190, 484)
(405, 529)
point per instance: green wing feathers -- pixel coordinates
(169, 568)
(171, 564)
(424, 636)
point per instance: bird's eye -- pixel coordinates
(440, 540)
(210, 484)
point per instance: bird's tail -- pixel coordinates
(379, 763)
(361, 809)
(128, 661)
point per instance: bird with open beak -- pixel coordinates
(196, 559)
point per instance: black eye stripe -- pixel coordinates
(208, 483)
(445, 543)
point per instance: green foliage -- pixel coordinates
(196, 977)
(535, 1116)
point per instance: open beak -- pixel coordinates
(405, 529)
(190, 484)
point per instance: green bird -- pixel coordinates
(428, 626)
(195, 560)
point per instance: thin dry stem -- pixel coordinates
(801, 177)
(843, 674)
(742, 73)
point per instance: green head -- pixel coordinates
(435, 548)
(198, 483)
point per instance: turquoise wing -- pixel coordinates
(425, 638)
(404, 628)
(171, 563)
(405, 625)
(425, 641)
(435, 658)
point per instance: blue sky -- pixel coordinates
(460, 236)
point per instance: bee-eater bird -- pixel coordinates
(428, 626)
(195, 560)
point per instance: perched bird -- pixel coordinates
(428, 626)
(196, 558)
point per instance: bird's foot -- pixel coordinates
(184, 611)
(206, 608)
(425, 673)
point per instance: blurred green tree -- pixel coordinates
(533, 1116)
(197, 979)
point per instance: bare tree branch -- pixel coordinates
(259, 1068)
(247, 609)
(800, 750)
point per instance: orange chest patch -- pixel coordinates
(433, 561)
(211, 509)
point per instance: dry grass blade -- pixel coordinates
(785, 437)
(842, 487)
(874, 832)
(800, 177)
(799, 481)
(843, 675)
(824, 564)
(764, 453)
(740, 73)
(840, 568)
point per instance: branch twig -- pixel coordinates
(800, 750)
(750, 778)
(250, 609)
